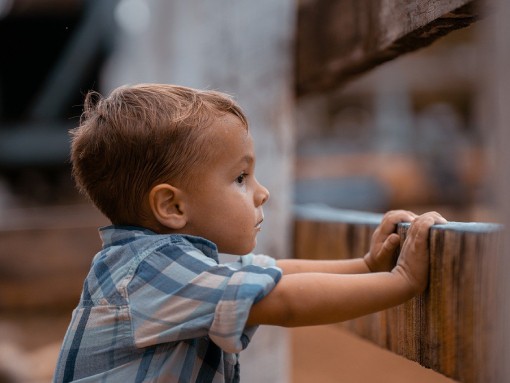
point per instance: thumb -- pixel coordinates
(390, 245)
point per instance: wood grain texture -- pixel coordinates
(44, 269)
(45, 254)
(447, 328)
(338, 40)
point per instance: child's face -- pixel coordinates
(225, 203)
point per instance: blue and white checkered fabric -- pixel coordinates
(160, 308)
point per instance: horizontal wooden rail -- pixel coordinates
(447, 328)
(339, 40)
(45, 254)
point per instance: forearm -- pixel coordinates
(343, 266)
(304, 297)
(316, 298)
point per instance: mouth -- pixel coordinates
(258, 226)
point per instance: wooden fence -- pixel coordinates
(447, 328)
(45, 254)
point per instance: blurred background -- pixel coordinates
(406, 134)
(418, 113)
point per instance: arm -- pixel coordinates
(381, 257)
(318, 298)
(343, 266)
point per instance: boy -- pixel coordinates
(173, 169)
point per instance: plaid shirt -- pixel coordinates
(160, 308)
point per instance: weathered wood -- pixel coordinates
(45, 255)
(495, 120)
(338, 40)
(45, 269)
(447, 328)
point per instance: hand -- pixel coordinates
(413, 262)
(382, 255)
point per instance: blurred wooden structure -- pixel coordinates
(45, 256)
(339, 40)
(447, 328)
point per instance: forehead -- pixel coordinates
(229, 137)
(225, 144)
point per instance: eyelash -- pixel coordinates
(241, 179)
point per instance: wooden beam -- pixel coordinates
(45, 254)
(448, 327)
(341, 39)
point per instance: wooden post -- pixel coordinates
(449, 327)
(495, 119)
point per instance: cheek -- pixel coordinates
(242, 188)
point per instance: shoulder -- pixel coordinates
(172, 260)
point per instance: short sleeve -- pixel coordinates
(257, 260)
(245, 287)
(181, 295)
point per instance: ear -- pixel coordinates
(167, 206)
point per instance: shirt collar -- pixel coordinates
(117, 235)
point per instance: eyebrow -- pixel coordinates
(248, 158)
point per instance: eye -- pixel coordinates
(241, 179)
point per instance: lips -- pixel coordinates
(258, 226)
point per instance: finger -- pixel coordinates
(387, 254)
(438, 218)
(390, 245)
(419, 229)
(399, 215)
(392, 218)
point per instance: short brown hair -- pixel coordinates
(140, 136)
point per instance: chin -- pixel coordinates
(241, 247)
(242, 250)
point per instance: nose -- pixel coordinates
(261, 195)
